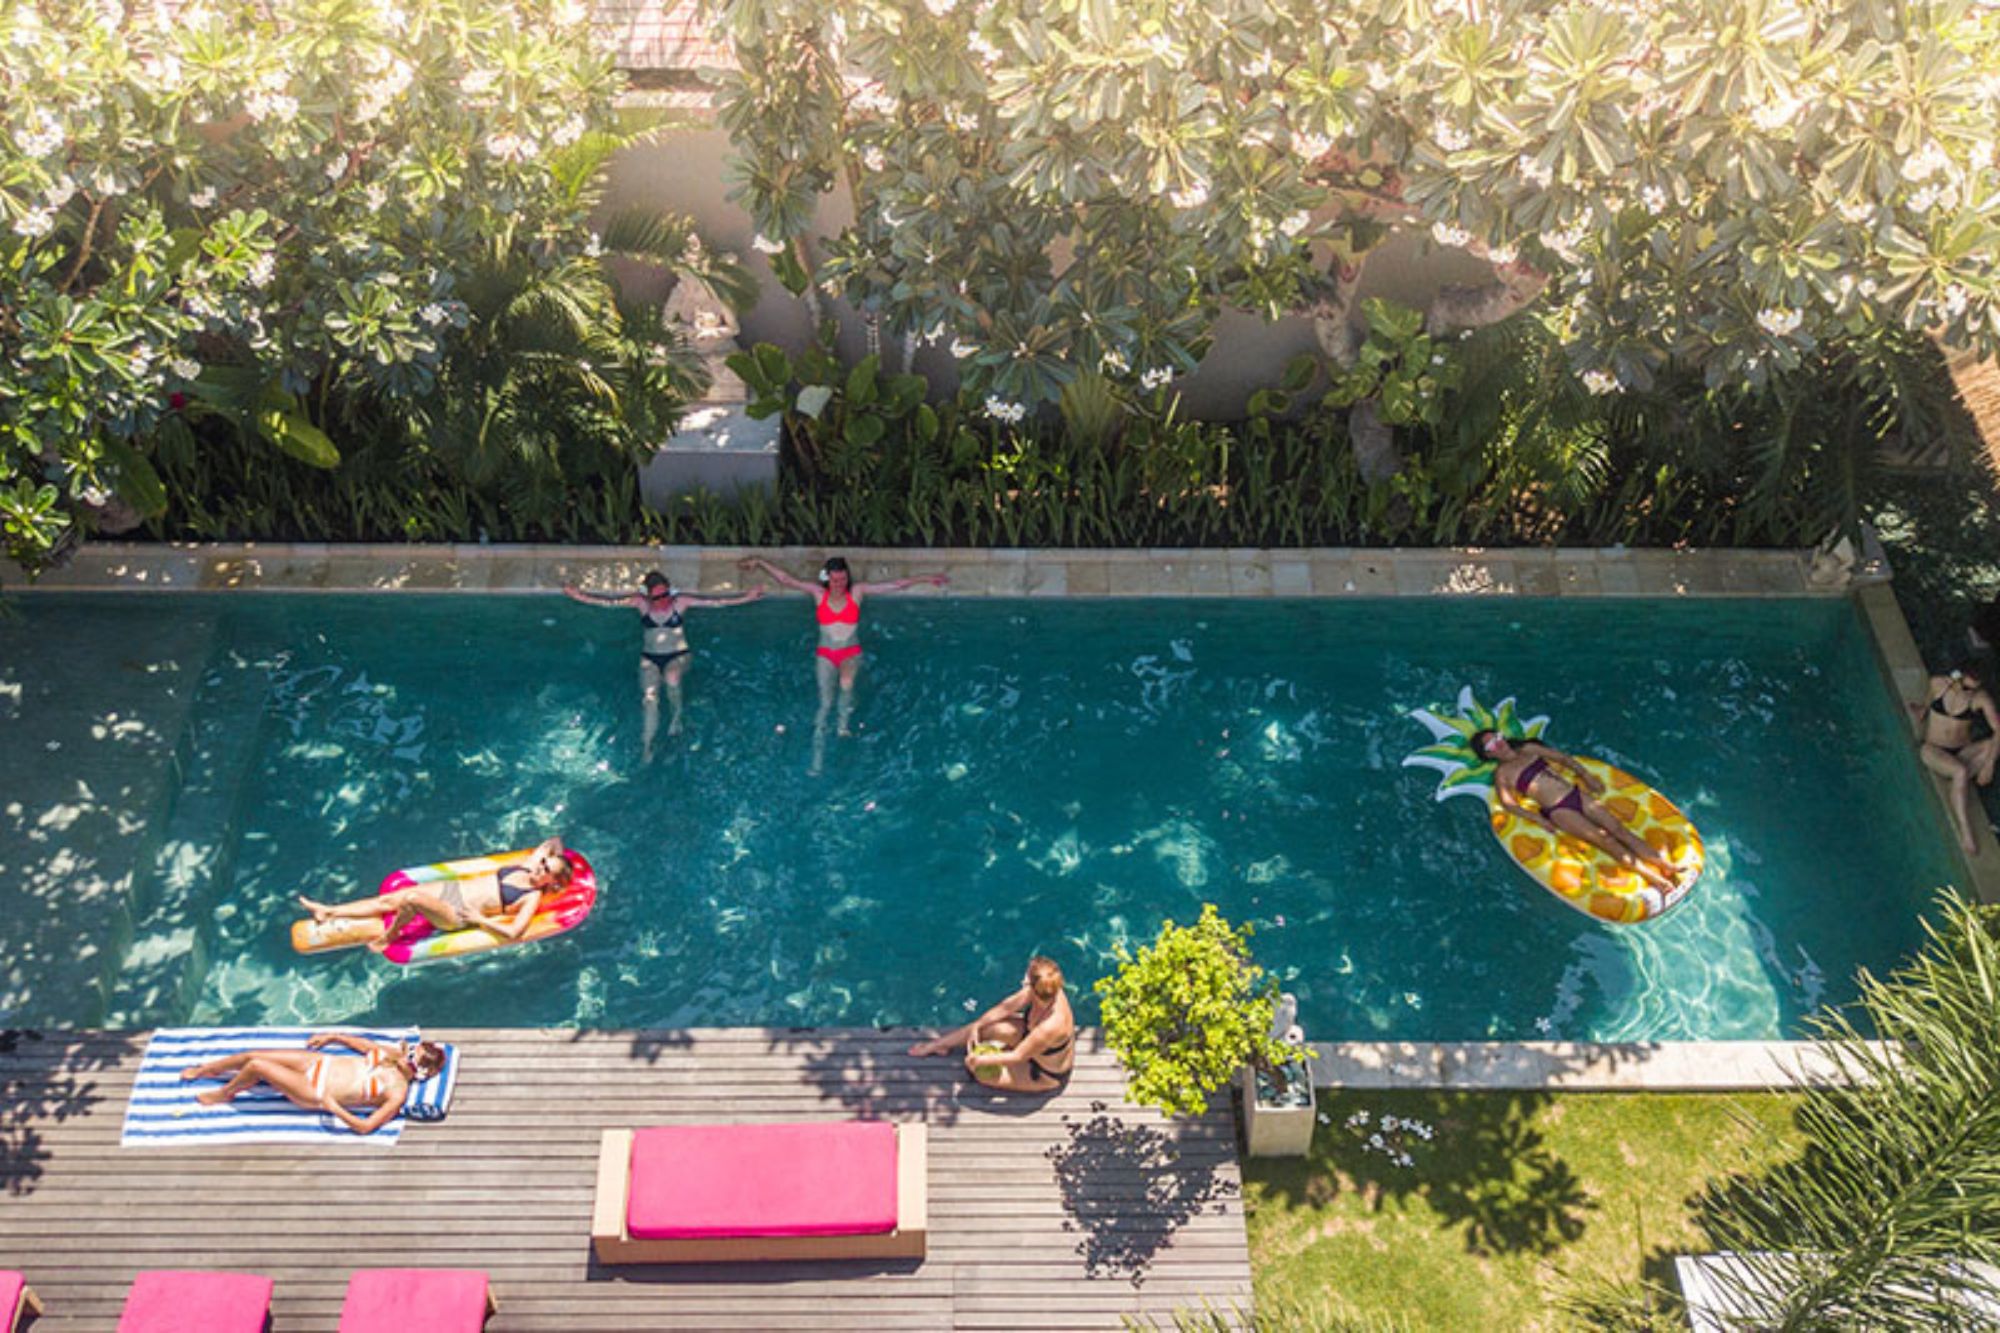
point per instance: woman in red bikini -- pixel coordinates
(837, 604)
(1565, 796)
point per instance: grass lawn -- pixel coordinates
(1511, 1196)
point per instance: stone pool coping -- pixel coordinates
(1704, 1066)
(996, 572)
(1569, 1066)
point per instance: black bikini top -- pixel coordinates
(1937, 706)
(673, 620)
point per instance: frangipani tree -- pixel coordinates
(1073, 188)
(249, 211)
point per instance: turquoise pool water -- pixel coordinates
(1042, 776)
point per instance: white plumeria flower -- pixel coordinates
(567, 133)
(1927, 198)
(1449, 136)
(61, 192)
(594, 248)
(1856, 211)
(764, 245)
(964, 122)
(1654, 199)
(376, 196)
(1956, 299)
(1000, 409)
(478, 82)
(104, 182)
(1452, 238)
(35, 222)
(1599, 383)
(961, 349)
(262, 269)
(1502, 255)
(1194, 196)
(1779, 321)
(1258, 67)
(1156, 377)
(1113, 362)
(986, 52)
(432, 314)
(203, 197)
(1311, 147)
(44, 140)
(1535, 172)
(874, 158)
(336, 169)
(1775, 115)
(185, 367)
(1295, 224)
(939, 8)
(874, 102)
(1925, 163)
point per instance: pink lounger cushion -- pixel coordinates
(11, 1287)
(170, 1302)
(699, 1182)
(397, 1300)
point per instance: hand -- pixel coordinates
(315, 1043)
(757, 592)
(748, 562)
(939, 580)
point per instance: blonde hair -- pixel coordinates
(1045, 977)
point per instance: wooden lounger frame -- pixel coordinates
(614, 1245)
(28, 1304)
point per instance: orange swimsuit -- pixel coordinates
(846, 615)
(374, 1087)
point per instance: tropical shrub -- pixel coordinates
(1188, 1012)
(302, 226)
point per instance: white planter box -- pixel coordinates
(1278, 1131)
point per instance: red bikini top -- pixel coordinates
(846, 615)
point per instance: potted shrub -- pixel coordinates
(1189, 1014)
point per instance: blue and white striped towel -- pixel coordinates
(164, 1113)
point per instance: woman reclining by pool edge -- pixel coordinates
(1566, 794)
(490, 901)
(317, 1081)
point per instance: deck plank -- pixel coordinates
(1073, 1212)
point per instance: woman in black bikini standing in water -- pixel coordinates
(1948, 748)
(664, 652)
(1036, 1026)
(837, 604)
(1566, 793)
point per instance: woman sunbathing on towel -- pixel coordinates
(1035, 1028)
(378, 1076)
(502, 901)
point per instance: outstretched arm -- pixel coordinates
(377, 1118)
(1509, 800)
(897, 585)
(787, 580)
(359, 1045)
(576, 594)
(1580, 775)
(512, 927)
(691, 600)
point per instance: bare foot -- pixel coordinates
(214, 1098)
(319, 911)
(674, 727)
(924, 1048)
(193, 1072)
(379, 946)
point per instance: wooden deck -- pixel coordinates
(1064, 1213)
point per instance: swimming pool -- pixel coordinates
(1050, 776)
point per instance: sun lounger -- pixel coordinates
(398, 1300)
(738, 1193)
(16, 1299)
(171, 1302)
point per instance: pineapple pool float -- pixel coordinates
(1581, 875)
